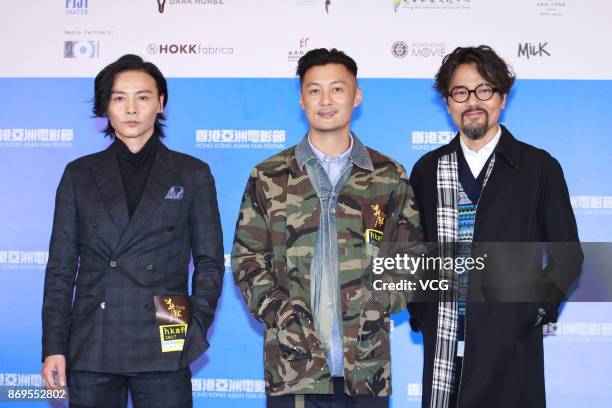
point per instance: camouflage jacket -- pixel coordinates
(275, 239)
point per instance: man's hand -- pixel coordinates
(54, 371)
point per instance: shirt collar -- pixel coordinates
(325, 158)
(358, 153)
(484, 151)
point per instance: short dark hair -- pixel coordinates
(324, 56)
(103, 87)
(488, 64)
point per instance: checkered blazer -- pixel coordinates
(105, 268)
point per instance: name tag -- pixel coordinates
(172, 337)
(172, 315)
(373, 236)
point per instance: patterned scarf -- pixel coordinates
(447, 182)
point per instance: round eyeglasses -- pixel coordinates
(483, 92)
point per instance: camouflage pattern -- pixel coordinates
(273, 247)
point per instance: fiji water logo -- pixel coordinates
(396, 4)
(76, 7)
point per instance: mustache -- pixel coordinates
(473, 110)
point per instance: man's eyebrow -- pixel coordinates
(138, 92)
(338, 81)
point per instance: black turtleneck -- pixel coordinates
(135, 169)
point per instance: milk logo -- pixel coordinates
(76, 7)
(529, 50)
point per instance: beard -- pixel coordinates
(475, 130)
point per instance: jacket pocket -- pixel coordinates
(296, 337)
(373, 333)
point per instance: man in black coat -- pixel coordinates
(487, 193)
(116, 311)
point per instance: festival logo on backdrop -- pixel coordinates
(430, 139)
(592, 204)
(36, 138)
(244, 139)
(230, 388)
(24, 260)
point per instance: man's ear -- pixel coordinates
(161, 103)
(503, 102)
(301, 100)
(357, 101)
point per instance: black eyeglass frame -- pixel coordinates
(473, 91)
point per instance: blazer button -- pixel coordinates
(148, 307)
(149, 267)
(171, 228)
(103, 305)
(113, 264)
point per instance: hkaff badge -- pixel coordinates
(374, 224)
(172, 315)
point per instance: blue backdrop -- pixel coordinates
(400, 117)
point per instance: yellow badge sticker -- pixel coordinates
(373, 236)
(172, 337)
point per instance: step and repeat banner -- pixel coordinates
(233, 101)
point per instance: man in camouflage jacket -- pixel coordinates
(276, 242)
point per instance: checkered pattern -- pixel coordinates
(447, 182)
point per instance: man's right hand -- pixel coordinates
(54, 371)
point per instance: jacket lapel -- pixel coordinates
(108, 180)
(163, 174)
(507, 158)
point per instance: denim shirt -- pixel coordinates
(324, 279)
